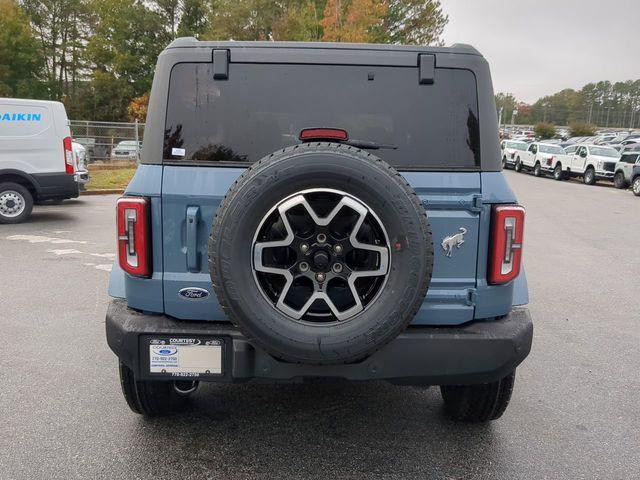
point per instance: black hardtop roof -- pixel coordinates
(191, 42)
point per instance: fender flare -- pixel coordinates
(19, 173)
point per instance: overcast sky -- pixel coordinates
(538, 47)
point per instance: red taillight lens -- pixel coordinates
(323, 134)
(68, 155)
(507, 232)
(134, 252)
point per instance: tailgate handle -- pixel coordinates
(193, 257)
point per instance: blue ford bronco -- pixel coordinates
(314, 210)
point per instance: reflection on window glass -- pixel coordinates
(262, 108)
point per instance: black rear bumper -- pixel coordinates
(478, 352)
(55, 186)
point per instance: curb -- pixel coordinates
(104, 191)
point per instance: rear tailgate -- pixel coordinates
(248, 103)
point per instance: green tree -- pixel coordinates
(507, 102)
(20, 59)
(356, 21)
(128, 37)
(245, 19)
(299, 22)
(418, 22)
(61, 28)
(383, 21)
(581, 130)
(194, 19)
(544, 130)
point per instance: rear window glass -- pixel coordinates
(262, 108)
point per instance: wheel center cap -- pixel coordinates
(321, 259)
(10, 203)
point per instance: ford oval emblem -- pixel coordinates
(164, 349)
(194, 293)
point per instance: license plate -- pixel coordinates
(185, 357)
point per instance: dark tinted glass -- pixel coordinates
(263, 108)
(629, 158)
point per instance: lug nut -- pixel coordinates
(304, 248)
(337, 267)
(321, 238)
(338, 249)
(320, 277)
(304, 267)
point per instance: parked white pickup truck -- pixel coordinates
(543, 158)
(508, 150)
(591, 162)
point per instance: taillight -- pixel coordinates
(134, 242)
(507, 231)
(68, 155)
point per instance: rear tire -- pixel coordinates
(478, 403)
(619, 181)
(518, 166)
(636, 187)
(152, 398)
(589, 177)
(558, 174)
(16, 203)
(537, 170)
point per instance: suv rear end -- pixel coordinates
(425, 289)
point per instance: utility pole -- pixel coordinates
(590, 112)
(500, 117)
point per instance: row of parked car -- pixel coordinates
(588, 161)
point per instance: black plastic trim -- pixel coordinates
(477, 352)
(427, 69)
(55, 185)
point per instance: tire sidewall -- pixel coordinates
(589, 176)
(410, 266)
(28, 199)
(557, 172)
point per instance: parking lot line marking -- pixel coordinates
(43, 239)
(67, 251)
(104, 255)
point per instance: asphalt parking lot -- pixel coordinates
(575, 411)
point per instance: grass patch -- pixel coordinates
(108, 179)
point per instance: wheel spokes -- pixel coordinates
(320, 287)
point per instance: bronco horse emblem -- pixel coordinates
(453, 241)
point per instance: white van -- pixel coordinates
(36, 156)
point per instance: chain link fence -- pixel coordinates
(109, 141)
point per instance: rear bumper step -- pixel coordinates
(478, 352)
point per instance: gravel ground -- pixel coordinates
(574, 414)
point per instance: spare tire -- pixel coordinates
(321, 253)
